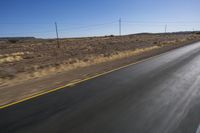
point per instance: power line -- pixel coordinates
(126, 21)
(67, 29)
(89, 26)
(160, 22)
(120, 21)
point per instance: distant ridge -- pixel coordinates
(17, 38)
(180, 32)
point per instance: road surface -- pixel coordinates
(160, 95)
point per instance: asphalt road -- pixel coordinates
(161, 95)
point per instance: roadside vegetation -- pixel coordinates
(22, 60)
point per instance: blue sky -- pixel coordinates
(96, 17)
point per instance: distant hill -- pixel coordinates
(17, 38)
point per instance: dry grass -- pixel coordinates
(12, 54)
(25, 60)
(78, 64)
(92, 61)
(13, 57)
(10, 59)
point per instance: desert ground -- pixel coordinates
(29, 66)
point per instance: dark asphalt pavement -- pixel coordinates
(161, 95)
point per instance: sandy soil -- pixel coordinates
(31, 66)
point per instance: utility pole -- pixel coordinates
(57, 35)
(120, 26)
(165, 28)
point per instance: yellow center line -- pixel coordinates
(77, 82)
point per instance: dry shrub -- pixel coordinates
(13, 57)
(7, 73)
(84, 63)
(12, 54)
(44, 58)
(10, 59)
